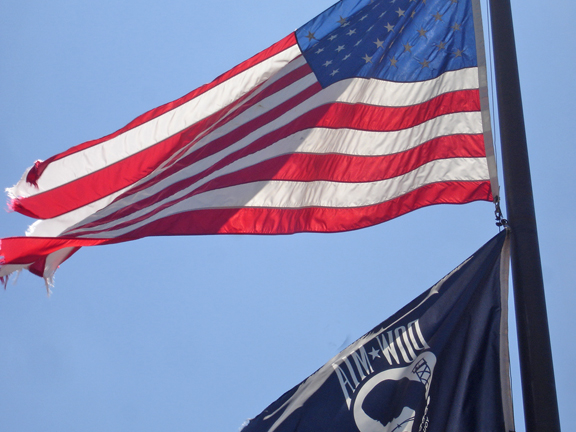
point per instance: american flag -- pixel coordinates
(367, 112)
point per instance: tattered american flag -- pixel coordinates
(367, 112)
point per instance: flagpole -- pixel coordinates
(537, 372)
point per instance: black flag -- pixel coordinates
(440, 364)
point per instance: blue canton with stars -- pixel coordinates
(394, 40)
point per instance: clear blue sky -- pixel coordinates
(201, 333)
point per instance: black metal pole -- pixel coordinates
(536, 368)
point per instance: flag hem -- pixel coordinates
(507, 404)
(484, 99)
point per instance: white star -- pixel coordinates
(367, 59)
(351, 32)
(340, 48)
(400, 12)
(364, 17)
(370, 29)
(328, 63)
(334, 72)
(374, 353)
(320, 50)
(389, 27)
(379, 43)
(346, 57)
(358, 43)
(331, 38)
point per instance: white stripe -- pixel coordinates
(348, 91)
(319, 141)
(137, 139)
(393, 94)
(216, 126)
(252, 113)
(370, 92)
(368, 143)
(97, 157)
(353, 90)
(294, 195)
(57, 225)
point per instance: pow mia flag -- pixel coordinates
(440, 364)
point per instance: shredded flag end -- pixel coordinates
(49, 276)
(12, 205)
(34, 174)
(6, 271)
(49, 282)
(24, 187)
(15, 274)
(4, 279)
(12, 200)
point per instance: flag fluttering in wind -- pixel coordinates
(439, 364)
(365, 113)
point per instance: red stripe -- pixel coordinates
(355, 116)
(269, 221)
(24, 250)
(357, 169)
(126, 172)
(231, 138)
(312, 167)
(256, 220)
(334, 115)
(278, 47)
